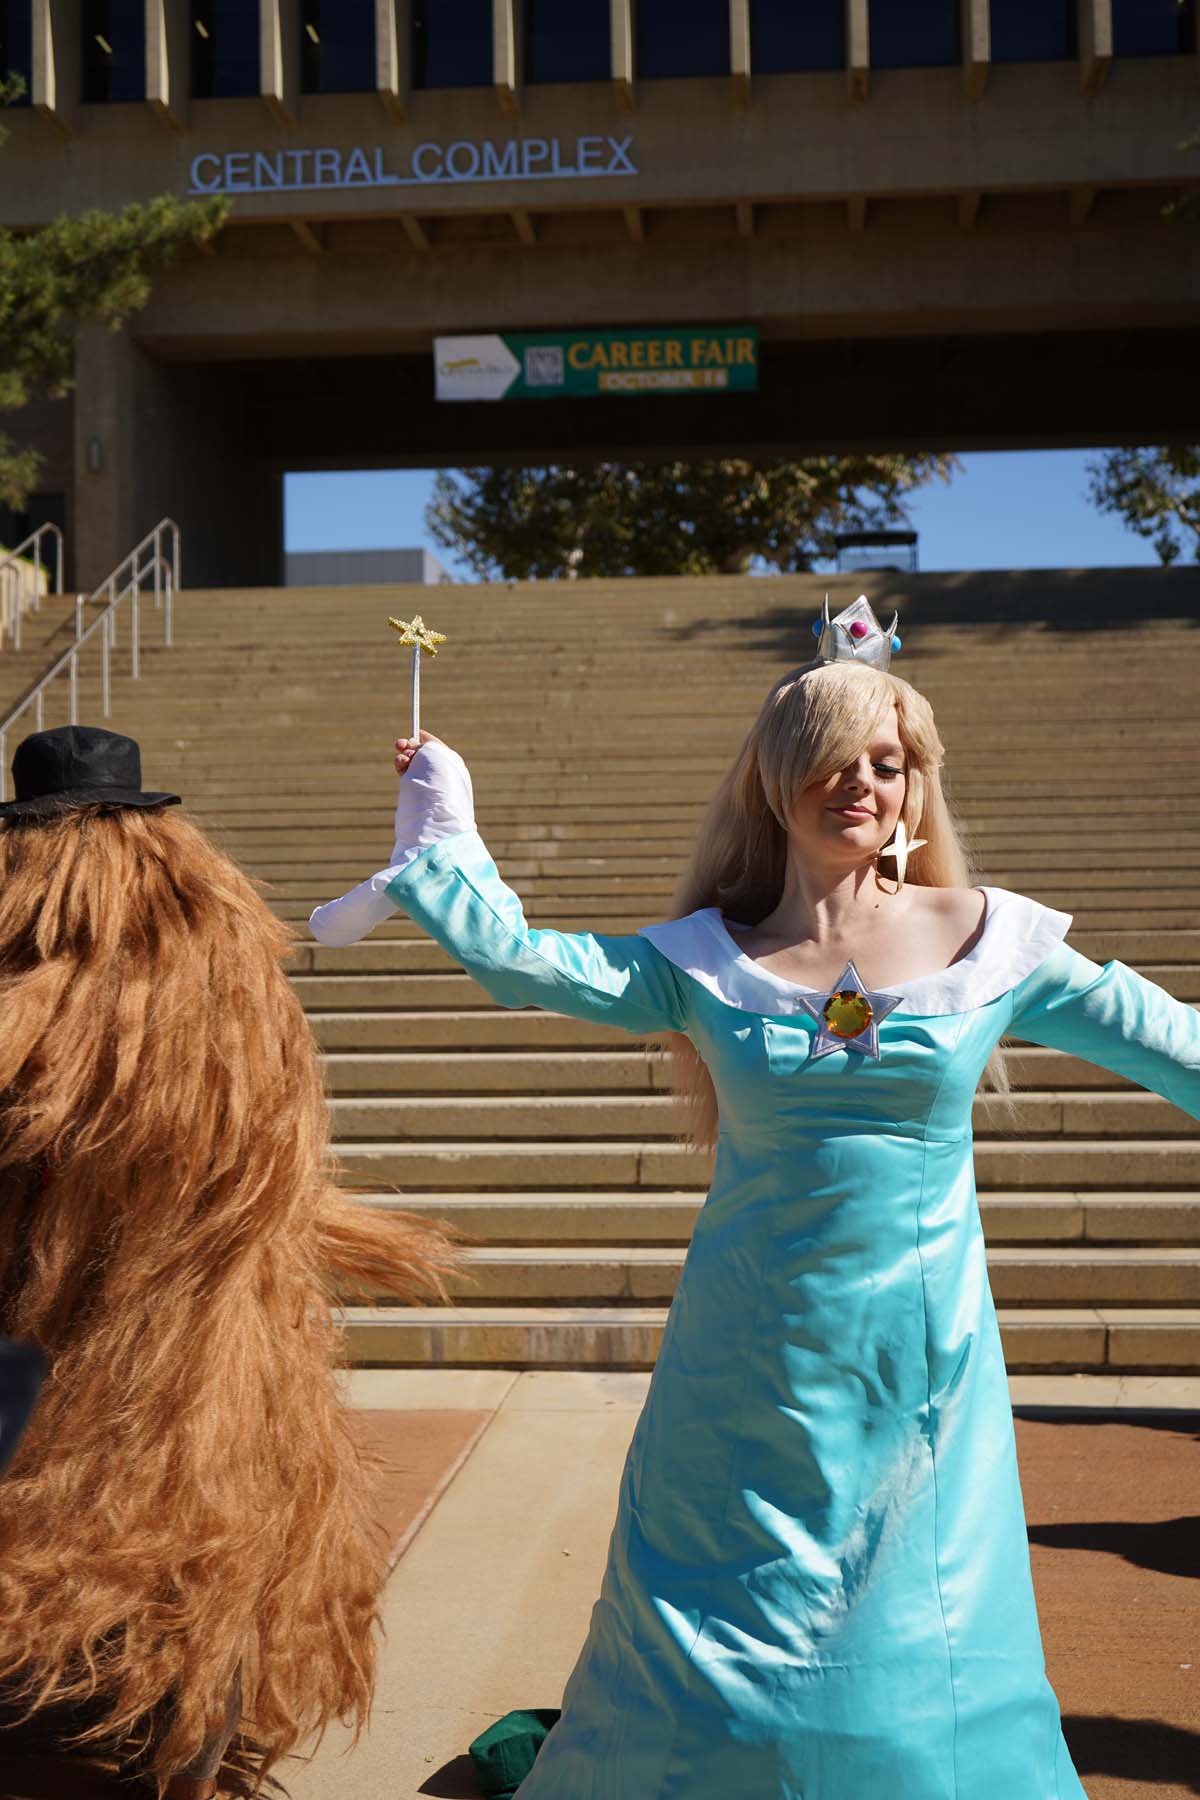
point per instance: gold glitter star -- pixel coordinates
(416, 632)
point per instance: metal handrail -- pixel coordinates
(165, 572)
(14, 556)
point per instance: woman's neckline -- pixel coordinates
(892, 987)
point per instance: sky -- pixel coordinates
(1006, 510)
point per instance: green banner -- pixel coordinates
(550, 365)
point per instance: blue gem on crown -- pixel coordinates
(855, 635)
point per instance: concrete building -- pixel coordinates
(361, 568)
(940, 223)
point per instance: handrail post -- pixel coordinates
(80, 599)
(169, 621)
(74, 681)
(133, 628)
(106, 638)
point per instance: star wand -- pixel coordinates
(416, 632)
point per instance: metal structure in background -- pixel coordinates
(858, 551)
(126, 581)
(10, 591)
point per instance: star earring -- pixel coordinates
(899, 848)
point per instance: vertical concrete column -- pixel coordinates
(739, 50)
(976, 45)
(858, 48)
(56, 75)
(1095, 43)
(279, 58)
(504, 56)
(621, 21)
(100, 530)
(393, 54)
(168, 61)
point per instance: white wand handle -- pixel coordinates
(416, 730)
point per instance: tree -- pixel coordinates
(670, 518)
(97, 266)
(1156, 492)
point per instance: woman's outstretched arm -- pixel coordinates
(1115, 1017)
(442, 875)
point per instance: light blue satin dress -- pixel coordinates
(818, 1583)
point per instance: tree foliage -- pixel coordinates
(1156, 492)
(669, 518)
(97, 266)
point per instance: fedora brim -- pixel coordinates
(49, 806)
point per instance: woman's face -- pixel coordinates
(845, 818)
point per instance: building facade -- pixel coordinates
(947, 224)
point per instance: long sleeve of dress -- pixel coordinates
(1115, 1017)
(444, 878)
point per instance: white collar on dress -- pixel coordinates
(1018, 934)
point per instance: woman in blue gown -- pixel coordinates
(818, 1583)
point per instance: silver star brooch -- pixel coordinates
(849, 1016)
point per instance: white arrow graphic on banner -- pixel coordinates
(474, 368)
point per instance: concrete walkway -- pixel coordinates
(502, 1499)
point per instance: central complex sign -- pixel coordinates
(428, 165)
(554, 364)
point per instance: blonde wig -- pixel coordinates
(191, 1498)
(815, 721)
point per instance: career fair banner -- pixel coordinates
(556, 364)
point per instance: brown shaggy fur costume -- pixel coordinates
(190, 1499)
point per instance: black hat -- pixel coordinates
(77, 765)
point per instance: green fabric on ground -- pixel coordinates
(503, 1755)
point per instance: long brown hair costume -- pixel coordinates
(190, 1498)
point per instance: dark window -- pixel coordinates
(681, 37)
(337, 46)
(114, 50)
(16, 43)
(1033, 30)
(783, 38)
(452, 43)
(1153, 27)
(225, 49)
(567, 42)
(914, 34)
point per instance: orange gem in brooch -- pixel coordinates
(847, 1013)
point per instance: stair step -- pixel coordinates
(570, 1117)
(453, 1165)
(611, 1218)
(639, 1274)
(1136, 1340)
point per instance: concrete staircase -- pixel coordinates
(596, 720)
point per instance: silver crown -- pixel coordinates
(855, 635)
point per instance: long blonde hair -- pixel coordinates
(191, 1495)
(815, 720)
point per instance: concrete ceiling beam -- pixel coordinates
(1095, 43)
(168, 61)
(506, 76)
(621, 40)
(976, 45)
(55, 72)
(858, 49)
(279, 59)
(414, 231)
(739, 50)
(393, 39)
(311, 236)
(1080, 202)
